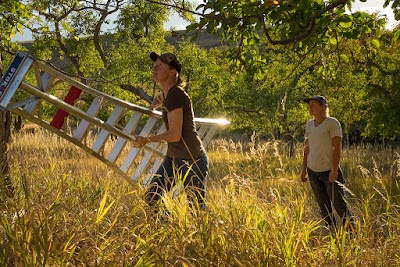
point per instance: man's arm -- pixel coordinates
(337, 148)
(304, 165)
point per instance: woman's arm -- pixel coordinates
(157, 102)
(174, 132)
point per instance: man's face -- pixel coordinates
(315, 108)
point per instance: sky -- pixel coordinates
(178, 23)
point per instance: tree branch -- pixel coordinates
(382, 89)
(137, 91)
(248, 111)
(96, 37)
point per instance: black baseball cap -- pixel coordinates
(169, 59)
(321, 99)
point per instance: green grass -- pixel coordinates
(71, 210)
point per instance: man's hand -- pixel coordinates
(303, 176)
(333, 175)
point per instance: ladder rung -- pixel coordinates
(112, 120)
(202, 130)
(133, 152)
(22, 103)
(45, 80)
(157, 163)
(147, 156)
(84, 125)
(120, 144)
(209, 135)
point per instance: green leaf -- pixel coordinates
(375, 43)
(345, 24)
(102, 211)
(344, 57)
(396, 35)
(333, 40)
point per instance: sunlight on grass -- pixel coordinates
(71, 210)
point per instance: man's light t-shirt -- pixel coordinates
(320, 143)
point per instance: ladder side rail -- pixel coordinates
(19, 76)
(94, 92)
(115, 100)
(210, 121)
(11, 73)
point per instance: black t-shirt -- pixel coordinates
(190, 145)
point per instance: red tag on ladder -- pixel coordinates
(70, 98)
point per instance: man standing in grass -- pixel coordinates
(323, 138)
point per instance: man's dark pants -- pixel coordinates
(329, 194)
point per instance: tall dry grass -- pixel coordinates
(71, 210)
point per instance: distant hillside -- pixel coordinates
(204, 39)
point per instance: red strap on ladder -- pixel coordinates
(70, 98)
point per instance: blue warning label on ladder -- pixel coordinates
(8, 77)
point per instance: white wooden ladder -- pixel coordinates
(114, 144)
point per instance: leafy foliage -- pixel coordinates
(277, 53)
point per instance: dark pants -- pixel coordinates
(192, 172)
(328, 195)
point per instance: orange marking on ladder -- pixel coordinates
(70, 98)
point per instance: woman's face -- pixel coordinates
(161, 71)
(316, 108)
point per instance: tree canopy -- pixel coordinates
(276, 53)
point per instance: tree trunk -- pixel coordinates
(17, 123)
(5, 134)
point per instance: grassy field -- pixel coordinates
(71, 210)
